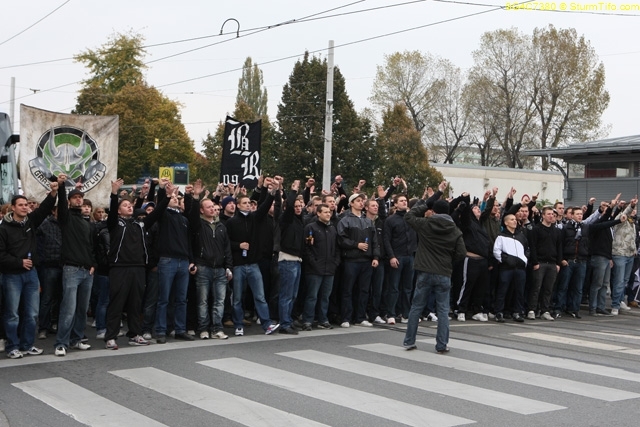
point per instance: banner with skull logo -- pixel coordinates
(85, 148)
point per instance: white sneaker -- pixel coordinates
(345, 325)
(33, 351)
(239, 332)
(60, 351)
(461, 317)
(147, 336)
(404, 320)
(138, 340)
(191, 332)
(546, 316)
(531, 315)
(111, 345)
(204, 335)
(81, 346)
(379, 320)
(615, 312)
(100, 335)
(364, 323)
(15, 354)
(93, 325)
(479, 317)
(219, 335)
(624, 306)
(431, 317)
(391, 320)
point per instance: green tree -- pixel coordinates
(568, 88)
(402, 152)
(116, 85)
(251, 90)
(297, 149)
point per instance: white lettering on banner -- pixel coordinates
(229, 179)
(239, 143)
(250, 166)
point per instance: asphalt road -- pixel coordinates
(563, 373)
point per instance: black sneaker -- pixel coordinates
(289, 331)
(603, 312)
(517, 317)
(556, 314)
(184, 336)
(325, 325)
(576, 314)
(306, 327)
(161, 339)
(499, 318)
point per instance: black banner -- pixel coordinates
(241, 153)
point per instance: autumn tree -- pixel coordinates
(116, 85)
(298, 145)
(502, 74)
(251, 90)
(402, 153)
(568, 88)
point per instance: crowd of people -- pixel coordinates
(186, 265)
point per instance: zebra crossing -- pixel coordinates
(334, 379)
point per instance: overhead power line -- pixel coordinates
(35, 23)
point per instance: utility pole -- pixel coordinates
(328, 123)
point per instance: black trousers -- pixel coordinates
(126, 289)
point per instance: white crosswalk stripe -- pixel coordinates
(594, 391)
(544, 360)
(569, 341)
(88, 407)
(496, 399)
(369, 403)
(83, 405)
(227, 405)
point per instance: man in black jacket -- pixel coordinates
(243, 235)
(212, 254)
(20, 285)
(290, 257)
(321, 257)
(79, 264)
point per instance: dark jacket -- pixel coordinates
(352, 230)
(546, 244)
(476, 238)
(128, 244)
(291, 228)
(321, 254)
(77, 236)
(18, 239)
(102, 243)
(49, 239)
(600, 236)
(440, 242)
(211, 246)
(398, 236)
(245, 228)
(575, 242)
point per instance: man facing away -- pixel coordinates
(440, 244)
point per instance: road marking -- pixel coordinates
(126, 350)
(495, 371)
(83, 405)
(634, 351)
(612, 334)
(541, 359)
(227, 405)
(380, 406)
(569, 341)
(483, 396)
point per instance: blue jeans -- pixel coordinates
(23, 287)
(243, 274)
(441, 286)
(400, 287)
(570, 283)
(210, 282)
(600, 275)
(289, 284)
(622, 266)
(51, 285)
(317, 286)
(76, 292)
(377, 282)
(102, 283)
(173, 274)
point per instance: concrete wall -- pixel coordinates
(477, 179)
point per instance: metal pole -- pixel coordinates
(328, 123)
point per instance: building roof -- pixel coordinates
(601, 149)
